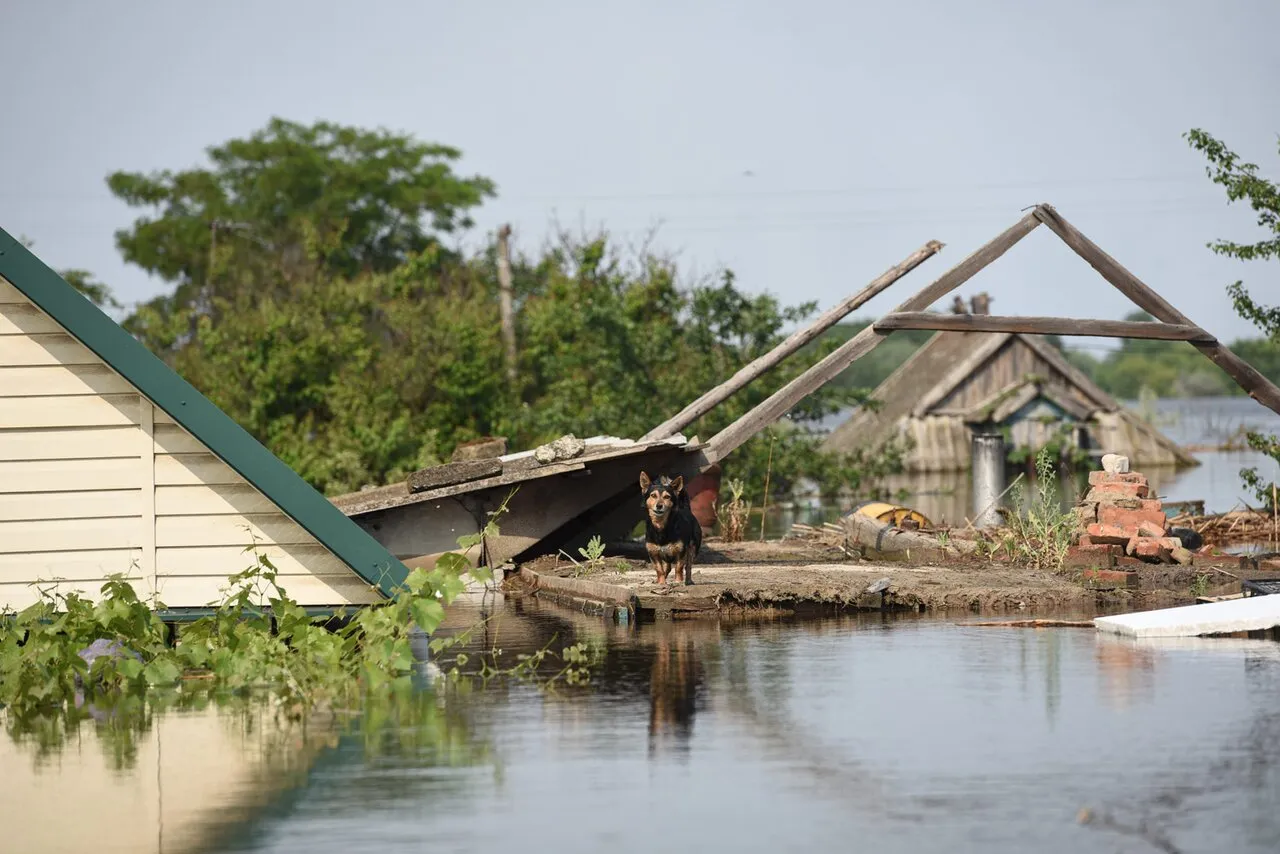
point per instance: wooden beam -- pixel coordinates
(1043, 326)
(768, 361)
(1246, 376)
(770, 410)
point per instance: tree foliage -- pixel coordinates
(286, 204)
(311, 298)
(1243, 183)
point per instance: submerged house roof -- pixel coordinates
(964, 379)
(47, 325)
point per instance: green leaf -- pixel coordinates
(130, 668)
(427, 614)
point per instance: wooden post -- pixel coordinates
(768, 361)
(1246, 376)
(770, 410)
(505, 302)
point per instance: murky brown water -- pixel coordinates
(872, 733)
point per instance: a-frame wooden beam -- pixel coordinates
(777, 404)
(714, 397)
(1172, 325)
(1042, 326)
(1246, 376)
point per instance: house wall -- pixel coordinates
(1008, 365)
(942, 442)
(95, 480)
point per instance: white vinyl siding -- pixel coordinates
(94, 480)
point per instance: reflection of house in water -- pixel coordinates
(673, 685)
(174, 786)
(1021, 385)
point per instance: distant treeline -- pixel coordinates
(1165, 368)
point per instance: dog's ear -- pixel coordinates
(644, 481)
(677, 484)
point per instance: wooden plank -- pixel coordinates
(15, 597)
(24, 319)
(1074, 375)
(451, 473)
(229, 530)
(777, 405)
(10, 295)
(48, 380)
(1042, 326)
(71, 565)
(173, 439)
(100, 504)
(194, 591)
(186, 469)
(596, 591)
(983, 349)
(1246, 376)
(794, 342)
(147, 508)
(113, 410)
(31, 476)
(70, 443)
(312, 559)
(50, 349)
(212, 500)
(67, 535)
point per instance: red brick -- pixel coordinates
(1091, 555)
(1109, 534)
(1151, 505)
(1161, 549)
(1087, 513)
(1100, 477)
(1112, 491)
(1110, 578)
(1111, 515)
(1148, 529)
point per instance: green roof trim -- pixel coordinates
(199, 416)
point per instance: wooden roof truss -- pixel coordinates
(1169, 325)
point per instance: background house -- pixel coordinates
(959, 382)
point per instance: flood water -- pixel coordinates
(866, 733)
(1197, 423)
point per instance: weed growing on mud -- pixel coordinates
(733, 516)
(257, 637)
(1200, 584)
(1040, 535)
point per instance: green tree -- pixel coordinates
(1243, 183)
(280, 207)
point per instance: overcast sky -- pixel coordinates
(806, 145)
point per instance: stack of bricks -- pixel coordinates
(1119, 516)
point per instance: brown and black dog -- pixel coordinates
(672, 535)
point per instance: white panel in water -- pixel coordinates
(1255, 613)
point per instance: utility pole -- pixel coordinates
(505, 300)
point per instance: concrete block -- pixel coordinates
(1115, 464)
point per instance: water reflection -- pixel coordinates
(905, 733)
(674, 680)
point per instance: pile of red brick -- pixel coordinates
(1118, 513)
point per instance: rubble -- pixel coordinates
(1119, 518)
